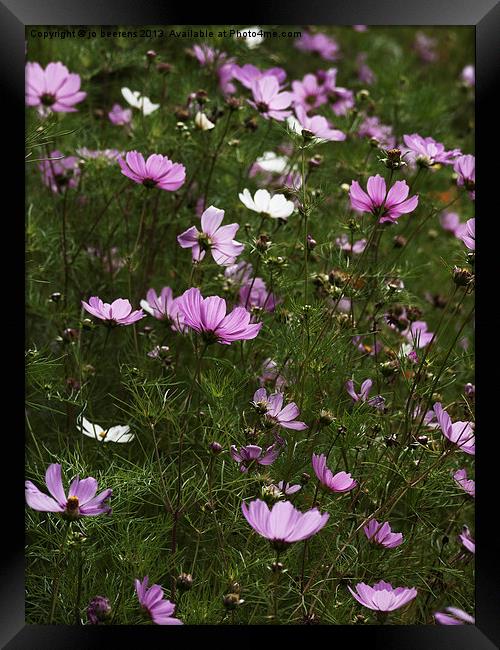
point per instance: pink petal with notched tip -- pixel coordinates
(211, 219)
(359, 198)
(40, 501)
(376, 189)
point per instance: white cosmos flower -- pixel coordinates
(202, 121)
(113, 434)
(253, 41)
(277, 206)
(271, 162)
(135, 99)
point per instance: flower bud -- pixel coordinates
(201, 96)
(315, 161)
(73, 384)
(164, 68)
(98, 610)
(277, 567)
(87, 324)
(345, 187)
(307, 135)
(70, 334)
(181, 114)
(184, 582)
(215, 448)
(56, 296)
(251, 124)
(462, 277)
(311, 243)
(151, 55)
(232, 601)
(399, 241)
(262, 243)
(325, 417)
(305, 478)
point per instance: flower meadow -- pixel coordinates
(250, 336)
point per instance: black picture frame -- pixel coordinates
(14, 16)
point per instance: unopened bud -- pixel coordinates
(184, 582)
(399, 241)
(311, 243)
(215, 448)
(232, 601)
(315, 161)
(462, 277)
(56, 296)
(164, 68)
(98, 610)
(151, 55)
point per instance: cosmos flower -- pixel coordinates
(287, 488)
(270, 372)
(271, 162)
(468, 234)
(60, 172)
(365, 73)
(164, 307)
(119, 433)
(268, 100)
(202, 122)
(272, 408)
(207, 316)
(251, 454)
(251, 37)
(120, 116)
(427, 152)
(283, 524)
(465, 167)
(340, 482)
(321, 44)
(342, 98)
(318, 126)
(119, 312)
(80, 502)
(308, 93)
(207, 55)
(157, 171)
(468, 485)
(450, 221)
(371, 127)
(381, 533)
(468, 76)
(383, 597)
(460, 433)
(417, 334)
(105, 155)
(388, 206)
(136, 100)
(453, 616)
(467, 540)
(152, 600)
(378, 401)
(218, 240)
(425, 46)
(276, 206)
(98, 610)
(53, 89)
(344, 243)
(248, 73)
(254, 294)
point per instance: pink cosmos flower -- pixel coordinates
(321, 44)
(80, 502)
(468, 234)
(272, 408)
(218, 240)
(371, 127)
(425, 46)
(120, 116)
(60, 172)
(455, 616)
(378, 401)
(450, 221)
(460, 433)
(468, 485)
(53, 89)
(238, 274)
(382, 534)
(251, 454)
(255, 294)
(249, 73)
(308, 93)
(343, 99)
(387, 206)
(365, 73)
(317, 125)
(164, 307)
(467, 540)
(427, 152)
(340, 482)
(417, 334)
(225, 74)
(106, 155)
(152, 601)
(283, 524)
(287, 488)
(207, 316)
(468, 76)
(372, 350)
(119, 312)
(207, 55)
(157, 171)
(344, 243)
(465, 167)
(270, 372)
(268, 100)
(383, 597)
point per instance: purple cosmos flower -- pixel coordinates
(98, 610)
(308, 93)
(238, 274)
(465, 167)
(225, 74)
(80, 502)
(152, 601)
(417, 334)
(372, 128)
(383, 597)
(60, 172)
(468, 234)
(372, 350)
(207, 55)
(119, 312)
(157, 171)
(53, 89)
(378, 401)
(164, 307)
(268, 100)
(344, 243)
(365, 73)
(270, 372)
(218, 240)
(249, 73)
(120, 116)
(382, 534)
(468, 485)
(468, 76)
(343, 99)
(340, 482)
(207, 316)
(427, 151)
(425, 46)
(105, 155)
(387, 205)
(317, 125)
(454, 616)
(321, 44)
(251, 454)
(450, 221)
(470, 390)
(272, 408)
(283, 524)
(254, 294)
(460, 433)
(287, 488)
(467, 540)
